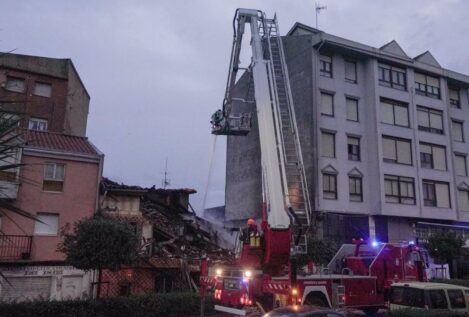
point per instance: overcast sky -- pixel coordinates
(156, 70)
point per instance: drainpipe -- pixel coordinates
(98, 183)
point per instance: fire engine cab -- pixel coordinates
(266, 274)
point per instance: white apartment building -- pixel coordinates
(384, 139)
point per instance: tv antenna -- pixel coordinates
(318, 10)
(166, 181)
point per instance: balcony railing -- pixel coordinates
(15, 247)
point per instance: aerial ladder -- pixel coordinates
(286, 214)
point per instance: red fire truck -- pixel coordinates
(266, 273)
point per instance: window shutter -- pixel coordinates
(350, 70)
(460, 165)
(389, 149)
(453, 94)
(422, 117)
(420, 78)
(48, 226)
(463, 197)
(442, 195)
(352, 109)
(457, 130)
(42, 89)
(387, 115)
(436, 121)
(404, 152)
(433, 81)
(328, 145)
(439, 158)
(327, 104)
(401, 115)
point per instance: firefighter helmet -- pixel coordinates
(251, 222)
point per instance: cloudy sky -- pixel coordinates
(156, 70)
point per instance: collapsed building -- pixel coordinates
(173, 239)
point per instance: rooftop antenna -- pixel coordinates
(166, 181)
(318, 10)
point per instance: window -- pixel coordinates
(456, 298)
(397, 150)
(15, 84)
(458, 131)
(460, 165)
(327, 104)
(355, 188)
(328, 144)
(325, 67)
(454, 100)
(53, 177)
(438, 299)
(42, 89)
(394, 112)
(427, 85)
(407, 296)
(463, 198)
(37, 124)
(399, 190)
(430, 120)
(391, 76)
(353, 148)
(48, 226)
(352, 109)
(433, 156)
(329, 186)
(350, 71)
(436, 194)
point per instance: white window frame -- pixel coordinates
(41, 124)
(55, 177)
(49, 225)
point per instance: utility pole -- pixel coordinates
(318, 10)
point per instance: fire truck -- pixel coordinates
(266, 273)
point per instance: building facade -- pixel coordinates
(383, 137)
(46, 93)
(59, 185)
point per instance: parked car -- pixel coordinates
(303, 311)
(435, 297)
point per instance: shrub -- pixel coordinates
(151, 305)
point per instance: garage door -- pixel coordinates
(25, 288)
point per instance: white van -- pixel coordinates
(429, 296)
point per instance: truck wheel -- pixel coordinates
(371, 311)
(316, 300)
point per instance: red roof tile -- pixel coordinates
(59, 142)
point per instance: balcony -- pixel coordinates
(15, 247)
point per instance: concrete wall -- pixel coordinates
(78, 102)
(243, 196)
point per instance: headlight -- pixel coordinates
(248, 274)
(218, 272)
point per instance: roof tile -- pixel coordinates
(59, 142)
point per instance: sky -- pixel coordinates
(156, 70)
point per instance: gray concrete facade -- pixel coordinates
(385, 220)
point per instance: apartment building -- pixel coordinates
(46, 93)
(384, 140)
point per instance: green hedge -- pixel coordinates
(421, 313)
(152, 305)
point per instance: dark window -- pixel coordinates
(433, 156)
(407, 296)
(350, 71)
(124, 289)
(429, 194)
(391, 76)
(355, 188)
(163, 283)
(353, 148)
(456, 298)
(438, 299)
(430, 120)
(427, 85)
(329, 186)
(454, 99)
(325, 66)
(399, 189)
